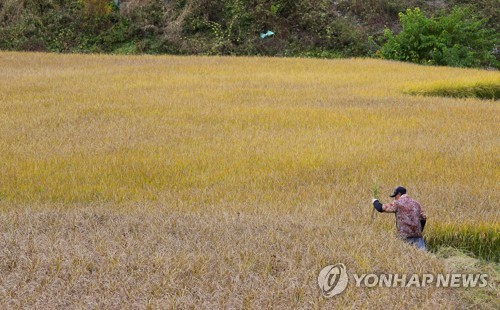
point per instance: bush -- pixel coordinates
(457, 39)
(301, 28)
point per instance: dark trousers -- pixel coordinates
(417, 241)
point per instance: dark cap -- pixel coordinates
(399, 190)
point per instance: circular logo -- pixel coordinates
(332, 280)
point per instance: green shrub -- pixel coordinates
(457, 39)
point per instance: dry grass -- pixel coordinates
(459, 262)
(106, 259)
(227, 182)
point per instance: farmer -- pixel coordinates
(410, 219)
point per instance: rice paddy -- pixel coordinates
(219, 182)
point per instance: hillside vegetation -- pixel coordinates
(223, 182)
(311, 28)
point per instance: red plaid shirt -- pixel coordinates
(408, 216)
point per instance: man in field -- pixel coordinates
(410, 219)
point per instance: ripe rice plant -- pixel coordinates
(483, 89)
(480, 239)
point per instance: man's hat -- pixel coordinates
(399, 190)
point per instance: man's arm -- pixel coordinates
(388, 207)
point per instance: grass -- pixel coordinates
(136, 181)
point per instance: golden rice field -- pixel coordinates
(218, 182)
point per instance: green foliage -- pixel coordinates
(310, 28)
(306, 28)
(45, 25)
(488, 9)
(457, 39)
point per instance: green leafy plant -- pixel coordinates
(457, 39)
